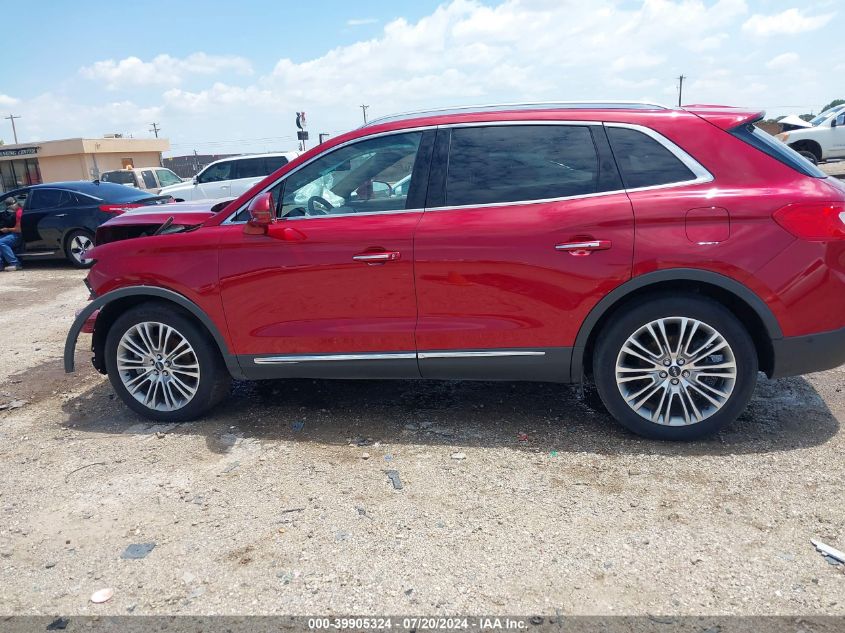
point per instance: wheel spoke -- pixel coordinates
(147, 370)
(664, 389)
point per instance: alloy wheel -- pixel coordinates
(79, 244)
(158, 366)
(676, 371)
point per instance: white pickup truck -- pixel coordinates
(229, 177)
(818, 139)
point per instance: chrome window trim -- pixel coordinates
(702, 175)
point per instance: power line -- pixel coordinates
(12, 118)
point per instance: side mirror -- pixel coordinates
(262, 212)
(833, 122)
(195, 180)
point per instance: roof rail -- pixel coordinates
(535, 105)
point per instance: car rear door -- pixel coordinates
(526, 228)
(328, 291)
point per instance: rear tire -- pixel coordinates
(675, 368)
(76, 243)
(809, 156)
(164, 365)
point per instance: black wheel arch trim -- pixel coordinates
(619, 293)
(154, 292)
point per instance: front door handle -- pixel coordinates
(583, 247)
(379, 257)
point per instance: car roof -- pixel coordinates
(94, 188)
(266, 155)
(723, 116)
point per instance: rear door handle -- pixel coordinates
(380, 257)
(584, 247)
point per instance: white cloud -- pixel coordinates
(6, 100)
(465, 51)
(788, 22)
(786, 61)
(163, 69)
(361, 21)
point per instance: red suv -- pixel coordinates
(666, 254)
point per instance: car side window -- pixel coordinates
(216, 173)
(643, 161)
(250, 168)
(149, 179)
(512, 163)
(357, 178)
(167, 177)
(44, 199)
(275, 162)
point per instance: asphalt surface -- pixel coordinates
(514, 498)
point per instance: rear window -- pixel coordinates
(250, 168)
(119, 177)
(643, 161)
(515, 163)
(149, 179)
(768, 144)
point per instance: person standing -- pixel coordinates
(10, 234)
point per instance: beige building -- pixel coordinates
(75, 159)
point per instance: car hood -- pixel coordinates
(793, 122)
(194, 212)
(146, 221)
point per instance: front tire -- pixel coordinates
(163, 365)
(76, 244)
(675, 368)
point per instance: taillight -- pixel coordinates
(117, 209)
(813, 221)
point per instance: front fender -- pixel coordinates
(153, 292)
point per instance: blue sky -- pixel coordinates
(228, 76)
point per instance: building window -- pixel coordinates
(19, 173)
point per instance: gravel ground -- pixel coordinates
(515, 498)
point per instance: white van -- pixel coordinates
(229, 177)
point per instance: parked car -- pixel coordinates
(822, 139)
(60, 218)
(229, 177)
(148, 178)
(664, 254)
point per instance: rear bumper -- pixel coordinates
(796, 355)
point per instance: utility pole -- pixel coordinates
(155, 129)
(680, 88)
(196, 163)
(323, 137)
(12, 118)
(364, 110)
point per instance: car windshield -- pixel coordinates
(826, 115)
(119, 177)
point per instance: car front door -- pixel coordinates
(526, 228)
(37, 221)
(328, 290)
(836, 147)
(213, 181)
